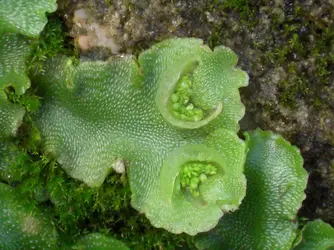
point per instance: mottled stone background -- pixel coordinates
(286, 46)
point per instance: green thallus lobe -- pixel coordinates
(136, 124)
(181, 104)
(195, 173)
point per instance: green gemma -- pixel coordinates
(193, 174)
(181, 104)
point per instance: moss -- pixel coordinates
(295, 43)
(322, 69)
(214, 39)
(247, 16)
(293, 90)
(78, 209)
(108, 2)
(240, 6)
(299, 48)
(53, 40)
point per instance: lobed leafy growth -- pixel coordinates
(97, 114)
(266, 219)
(99, 241)
(14, 51)
(26, 17)
(18, 19)
(315, 235)
(21, 227)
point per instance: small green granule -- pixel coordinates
(181, 105)
(195, 173)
